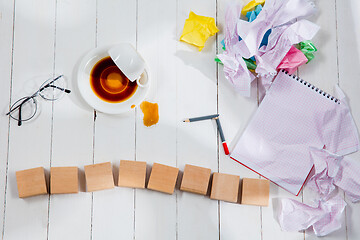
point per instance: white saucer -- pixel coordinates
(83, 80)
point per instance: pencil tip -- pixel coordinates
(186, 120)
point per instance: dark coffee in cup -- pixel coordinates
(109, 83)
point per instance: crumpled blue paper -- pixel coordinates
(253, 14)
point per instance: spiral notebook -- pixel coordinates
(294, 117)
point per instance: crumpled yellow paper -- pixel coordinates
(198, 29)
(251, 5)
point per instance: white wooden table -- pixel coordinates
(39, 37)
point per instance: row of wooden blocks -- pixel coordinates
(132, 174)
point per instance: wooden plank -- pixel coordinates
(155, 216)
(73, 122)
(235, 112)
(6, 41)
(348, 60)
(30, 143)
(348, 74)
(114, 135)
(322, 72)
(196, 142)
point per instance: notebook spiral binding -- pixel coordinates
(318, 90)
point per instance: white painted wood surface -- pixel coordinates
(45, 37)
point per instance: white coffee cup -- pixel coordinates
(145, 84)
(129, 61)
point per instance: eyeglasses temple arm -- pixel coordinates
(19, 121)
(61, 89)
(25, 100)
(50, 83)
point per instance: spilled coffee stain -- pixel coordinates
(151, 113)
(132, 106)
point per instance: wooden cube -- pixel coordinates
(31, 182)
(255, 192)
(132, 174)
(195, 179)
(99, 176)
(64, 180)
(225, 187)
(163, 178)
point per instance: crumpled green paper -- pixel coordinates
(198, 29)
(250, 64)
(307, 48)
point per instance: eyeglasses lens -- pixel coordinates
(27, 110)
(53, 88)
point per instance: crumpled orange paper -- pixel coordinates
(198, 29)
(251, 6)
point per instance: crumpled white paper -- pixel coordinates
(278, 15)
(323, 218)
(235, 69)
(236, 72)
(331, 171)
(275, 13)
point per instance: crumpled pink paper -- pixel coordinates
(292, 60)
(280, 41)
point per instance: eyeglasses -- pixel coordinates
(26, 108)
